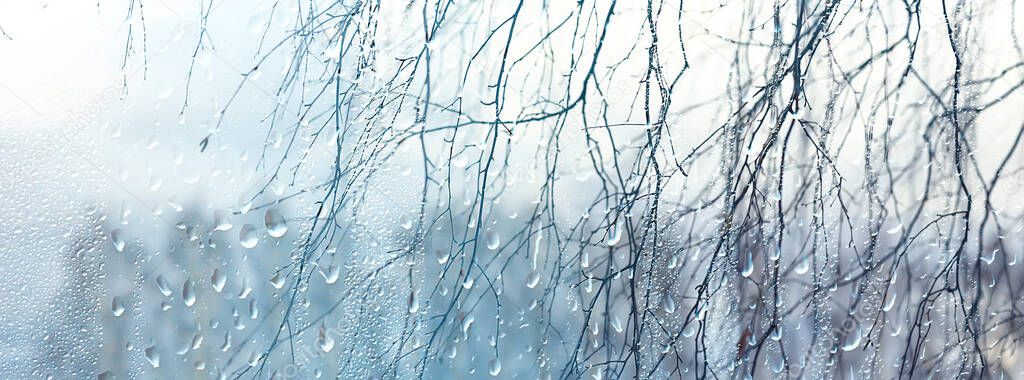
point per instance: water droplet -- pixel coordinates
(614, 234)
(494, 367)
(254, 312)
(493, 239)
(163, 286)
(217, 280)
(254, 358)
(324, 340)
(414, 303)
(803, 266)
(117, 306)
(988, 260)
(117, 237)
(246, 206)
(466, 324)
(748, 265)
(188, 294)
(689, 330)
(442, 256)
(668, 304)
(617, 324)
(246, 289)
(227, 342)
(222, 220)
(248, 237)
(153, 356)
(277, 280)
(331, 274)
(532, 279)
(895, 229)
(890, 301)
(777, 363)
(276, 225)
(853, 340)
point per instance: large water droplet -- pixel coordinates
(493, 239)
(803, 266)
(248, 237)
(747, 267)
(277, 280)
(163, 286)
(614, 234)
(254, 311)
(254, 358)
(227, 342)
(414, 303)
(776, 362)
(276, 225)
(494, 367)
(246, 289)
(117, 237)
(221, 220)
(890, 301)
(689, 330)
(668, 304)
(324, 340)
(117, 306)
(153, 356)
(617, 324)
(442, 256)
(188, 294)
(331, 274)
(466, 324)
(853, 340)
(532, 279)
(217, 280)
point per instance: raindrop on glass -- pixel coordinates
(277, 280)
(324, 340)
(493, 239)
(748, 265)
(221, 220)
(532, 279)
(494, 367)
(153, 356)
(331, 274)
(217, 280)
(117, 237)
(614, 235)
(117, 306)
(188, 294)
(276, 225)
(414, 303)
(248, 237)
(163, 286)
